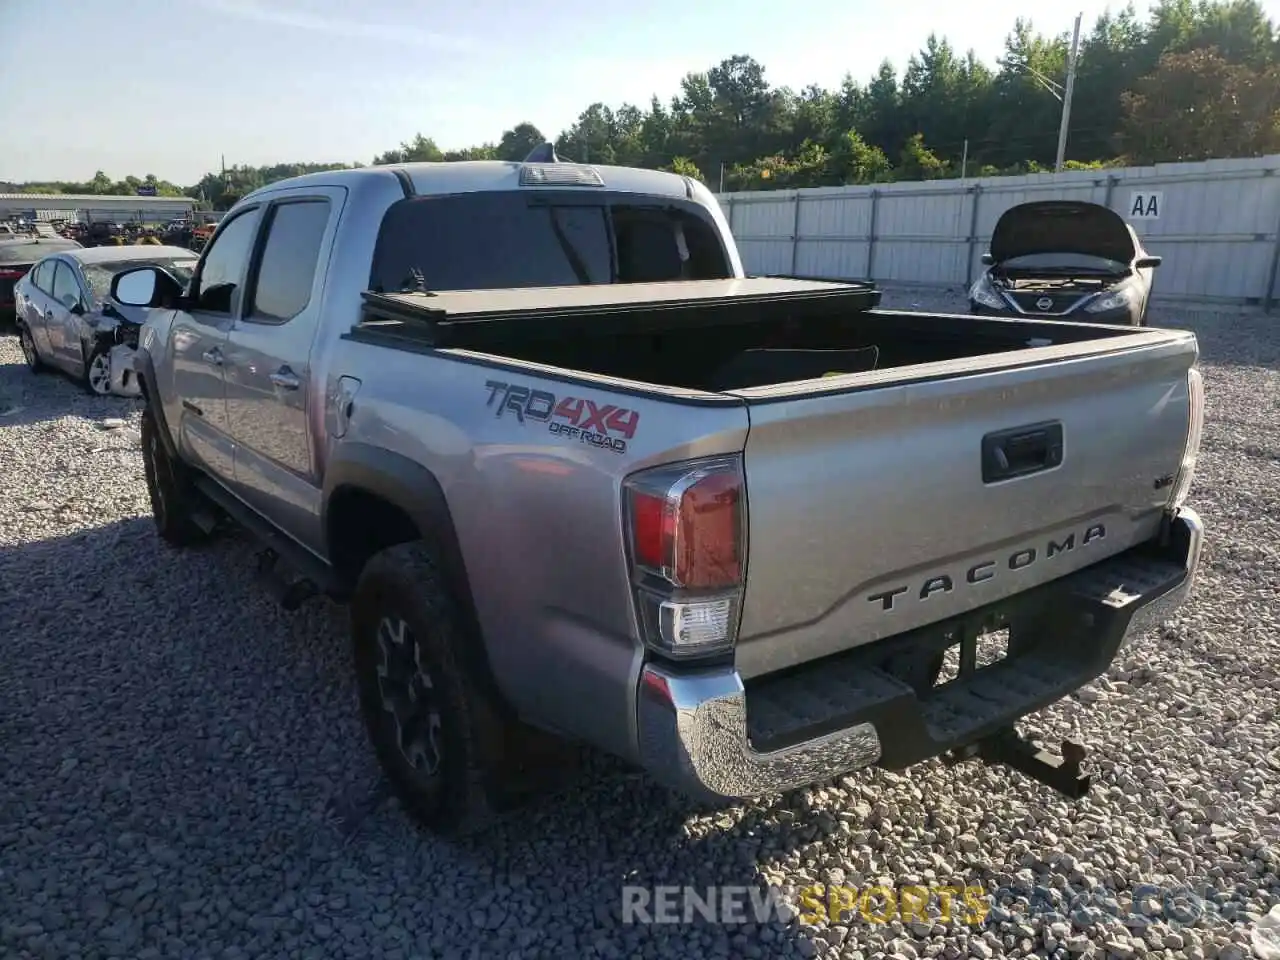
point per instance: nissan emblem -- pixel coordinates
(1044, 303)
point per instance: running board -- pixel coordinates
(313, 575)
(1062, 773)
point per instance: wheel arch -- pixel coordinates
(374, 499)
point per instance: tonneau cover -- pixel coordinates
(460, 305)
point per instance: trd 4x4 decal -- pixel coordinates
(601, 425)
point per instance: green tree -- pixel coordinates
(1198, 105)
(856, 161)
(918, 162)
(686, 168)
(418, 149)
(518, 142)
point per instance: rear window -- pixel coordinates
(501, 239)
(25, 252)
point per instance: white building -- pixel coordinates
(92, 208)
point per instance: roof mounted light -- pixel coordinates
(543, 167)
(559, 175)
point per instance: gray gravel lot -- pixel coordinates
(184, 774)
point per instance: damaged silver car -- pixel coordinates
(68, 320)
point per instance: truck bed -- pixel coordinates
(722, 335)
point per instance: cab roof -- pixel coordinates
(468, 176)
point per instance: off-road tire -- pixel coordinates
(403, 583)
(174, 498)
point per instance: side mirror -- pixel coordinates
(136, 288)
(144, 287)
(77, 308)
(1148, 261)
(988, 259)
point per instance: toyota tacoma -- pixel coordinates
(575, 473)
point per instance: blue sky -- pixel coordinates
(169, 87)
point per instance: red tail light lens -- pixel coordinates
(686, 524)
(653, 529)
(10, 273)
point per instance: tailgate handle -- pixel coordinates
(1021, 451)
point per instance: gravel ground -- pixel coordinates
(184, 774)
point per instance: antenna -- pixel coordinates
(546, 153)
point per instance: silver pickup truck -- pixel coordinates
(575, 473)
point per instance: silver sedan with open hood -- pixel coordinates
(1065, 258)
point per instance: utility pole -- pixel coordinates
(964, 160)
(1066, 95)
(722, 176)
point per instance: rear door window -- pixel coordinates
(66, 288)
(42, 276)
(501, 239)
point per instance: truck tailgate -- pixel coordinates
(882, 502)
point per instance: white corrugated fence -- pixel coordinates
(1216, 224)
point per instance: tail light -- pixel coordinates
(686, 530)
(13, 273)
(1195, 429)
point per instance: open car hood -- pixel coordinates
(1062, 226)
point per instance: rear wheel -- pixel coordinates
(29, 352)
(436, 734)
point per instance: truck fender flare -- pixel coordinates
(145, 369)
(401, 482)
(413, 489)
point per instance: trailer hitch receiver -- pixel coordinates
(1063, 773)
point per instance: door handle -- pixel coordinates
(286, 379)
(213, 356)
(1021, 451)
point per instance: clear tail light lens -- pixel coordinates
(1195, 430)
(686, 530)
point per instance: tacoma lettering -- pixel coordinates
(985, 570)
(601, 425)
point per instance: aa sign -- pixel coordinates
(1145, 206)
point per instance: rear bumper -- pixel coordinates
(707, 734)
